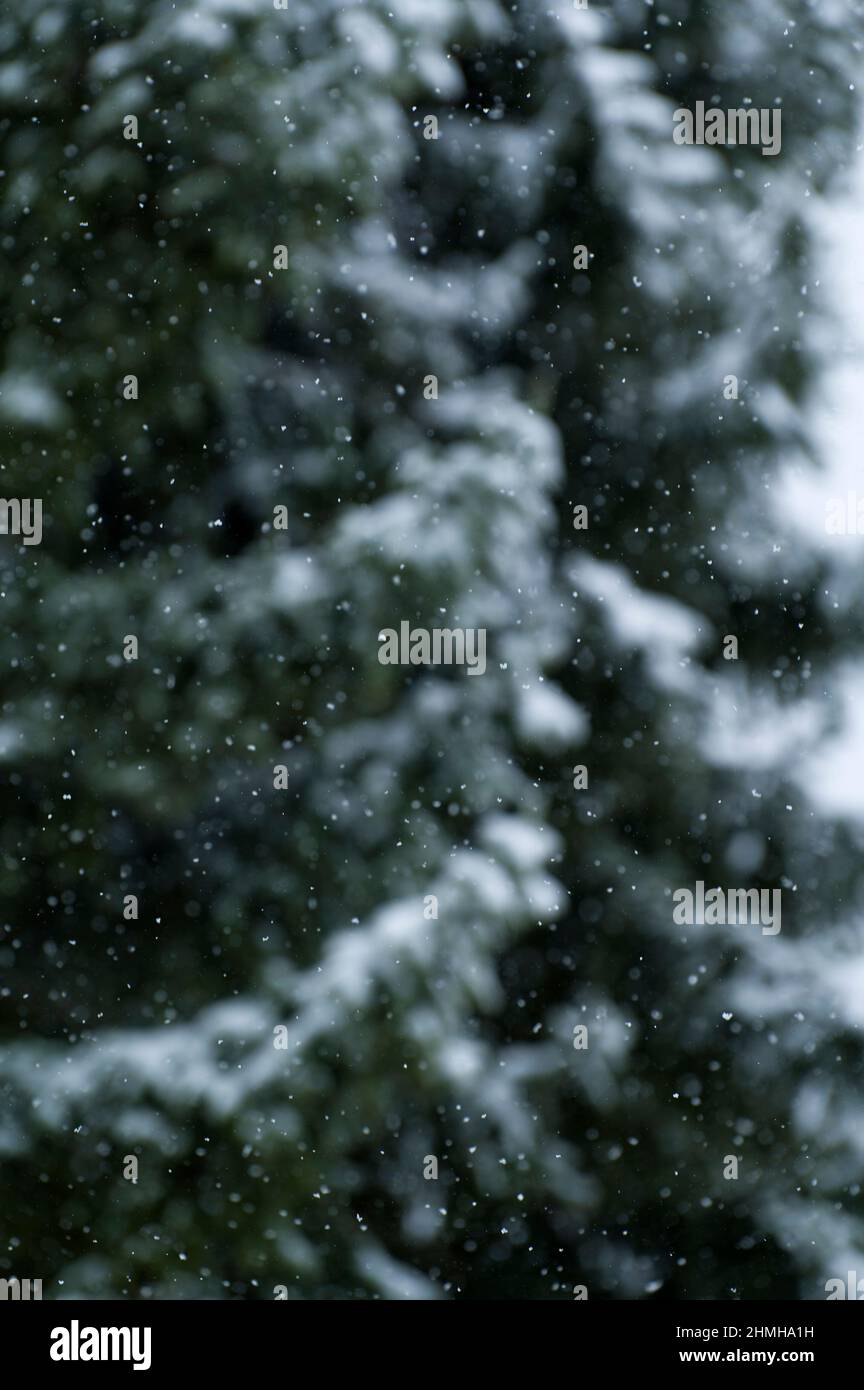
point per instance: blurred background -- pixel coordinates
(380, 956)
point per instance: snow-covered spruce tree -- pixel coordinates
(689, 759)
(176, 909)
(282, 259)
